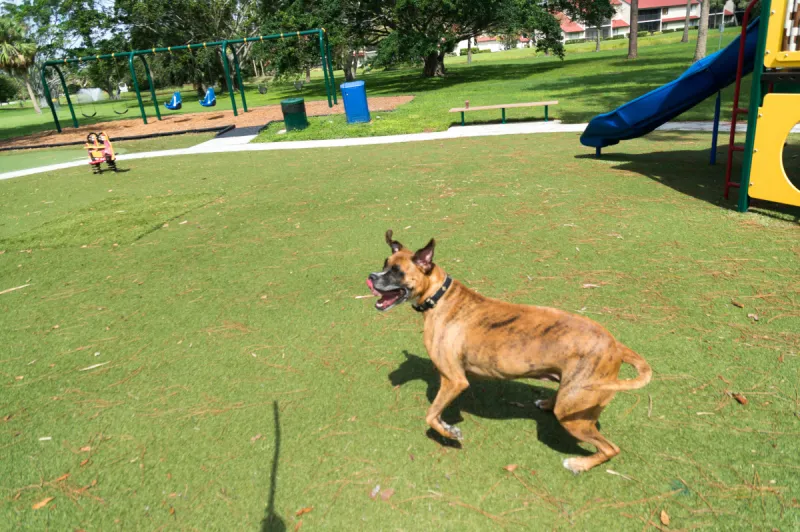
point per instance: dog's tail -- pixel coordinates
(640, 381)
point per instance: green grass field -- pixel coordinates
(585, 83)
(189, 349)
(22, 159)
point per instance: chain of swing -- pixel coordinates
(118, 106)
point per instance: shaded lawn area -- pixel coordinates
(585, 83)
(191, 352)
(22, 159)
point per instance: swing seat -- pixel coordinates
(210, 99)
(175, 103)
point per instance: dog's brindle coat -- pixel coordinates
(467, 333)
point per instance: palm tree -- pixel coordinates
(17, 54)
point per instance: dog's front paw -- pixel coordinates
(575, 465)
(455, 432)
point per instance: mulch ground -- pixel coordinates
(190, 121)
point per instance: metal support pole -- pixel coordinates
(226, 66)
(597, 153)
(504, 114)
(136, 87)
(328, 84)
(66, 94)
(717, 106)
(756, 93)
(69, 100)
(462, 118)
(239, 78)
(49, 99)
(545, 113)
(330, 66)
(151, 85)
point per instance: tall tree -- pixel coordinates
(17, 53)
(702, 32)
(542, 27)
(633, 36)
(176, 22)
(8, 88)
(593, 13)
(687, 22)
(351, 25)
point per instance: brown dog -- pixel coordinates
(467, 333)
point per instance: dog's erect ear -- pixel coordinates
(423, 258)
(394, 244)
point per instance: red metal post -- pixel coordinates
(732, 147)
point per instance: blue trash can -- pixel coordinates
(354, 96)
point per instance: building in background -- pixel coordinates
(654, 16)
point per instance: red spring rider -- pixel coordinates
(100, 153)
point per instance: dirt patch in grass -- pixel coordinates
(254, 117)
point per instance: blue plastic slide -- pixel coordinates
(644, 114)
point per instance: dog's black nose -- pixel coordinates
(373, 277)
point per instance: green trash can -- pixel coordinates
(294, 113)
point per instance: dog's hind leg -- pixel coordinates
(583, 425)
(448, 391)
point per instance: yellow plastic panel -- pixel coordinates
(775, 57)
(768, 180)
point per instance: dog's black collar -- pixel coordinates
(431, 301)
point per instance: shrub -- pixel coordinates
(574, 41)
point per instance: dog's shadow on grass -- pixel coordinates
(490, 399)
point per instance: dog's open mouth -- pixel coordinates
(387, 298)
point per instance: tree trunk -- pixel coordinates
(597, 39)
(308, 75)
(702, 32)
(469, 50)
(633, 37)
(434, 65)
(32, 95)
(688, 21)
(347, 66)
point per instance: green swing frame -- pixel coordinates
(225, 45)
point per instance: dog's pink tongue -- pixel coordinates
(372, 288)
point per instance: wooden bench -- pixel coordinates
(463, 110)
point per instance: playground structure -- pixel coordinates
(99, 154)
(774, 106)
(225, 46)
(768, 42)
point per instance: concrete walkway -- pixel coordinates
(241, 142)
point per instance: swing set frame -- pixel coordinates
(225, 45)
